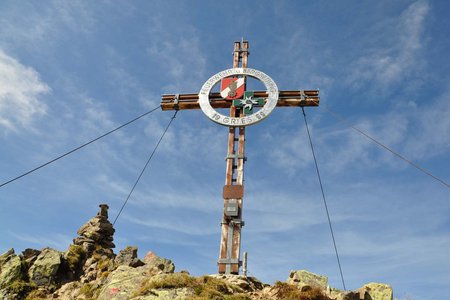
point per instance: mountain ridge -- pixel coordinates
(89, 269)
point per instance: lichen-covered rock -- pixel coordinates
(45, 267)
(304, 280)
(163, 264)
(10, 268)
(128, 257)
(123, 282)
(167, 294)
(337, 294)
(376, 291)
(3, 294)
(74, 256)
(98, 231)
(68, 291)
(29, 256)
(247, 284)
(6, 256)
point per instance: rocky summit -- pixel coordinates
(97, 232)
(89, 269)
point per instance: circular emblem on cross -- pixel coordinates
(233, 89)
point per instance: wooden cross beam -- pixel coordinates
(286, 99)
(233, 190)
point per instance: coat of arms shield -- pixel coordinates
(232, 88)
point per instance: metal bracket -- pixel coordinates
(237, 222)
(302, 95)
(176, 101)
(236, 156)
(229, 261)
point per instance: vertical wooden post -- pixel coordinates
(230, 244)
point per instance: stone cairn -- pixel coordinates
(97, 232)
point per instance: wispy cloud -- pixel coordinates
(189, 226)
(179, 55)
(396, 55)
(338, 147)
(43, 23)
(21, 89)
(431, 128)
(58, 241)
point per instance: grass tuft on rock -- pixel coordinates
(288, 291)
(214, 288)
(202, 288)
(169, 281)
(89, 291)
(20, 288)
(36, 295)
(74, 256)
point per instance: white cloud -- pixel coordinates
(20, 90)
(38, 28)
(339, 147)
(299, 64)
(189, 226)
(432, 128)
(58, 241)
(292, 152)
(397, 51)
(179, 54)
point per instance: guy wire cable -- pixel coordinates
(345, 121)
(415, 165)
(145, 166)
(324, 200)
(79, 147)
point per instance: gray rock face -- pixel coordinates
(166, 294)
(304, 280)
(123, 282)
(98, 231)
(68, 291)
(29, 255)
(163, 264)
(6, 256)
(127, 280)
(10, 268)
(247, 284)
(44, 269)
(376, 291)
(128, 257)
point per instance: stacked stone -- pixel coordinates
(97, 232)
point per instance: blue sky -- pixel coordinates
(72, 70)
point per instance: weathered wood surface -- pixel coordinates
(286, 99)
(233, 176)
(230, 243)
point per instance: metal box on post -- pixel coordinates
(231, 208)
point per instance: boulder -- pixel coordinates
(127, 280)
(98, 231)
(45, 267)
(6, 256)
(123, 282)
(70, 290)
(376, 291)
(305, 280)
(10, 268)
(128, 257)
(29, 255)
(153, 261)
(166, 294)
(337, 294)
(247, 284)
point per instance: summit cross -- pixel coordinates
(243, 107)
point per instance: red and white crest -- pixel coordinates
(232, 88)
